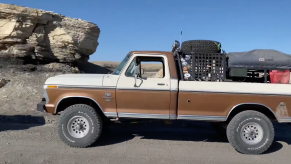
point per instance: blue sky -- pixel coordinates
(240, 25)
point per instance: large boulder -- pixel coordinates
(44, 35)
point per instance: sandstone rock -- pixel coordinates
(60, 67)
(26, 32)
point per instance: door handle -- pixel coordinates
(161, 83)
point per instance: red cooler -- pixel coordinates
(280, 76)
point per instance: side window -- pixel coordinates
(153, 67)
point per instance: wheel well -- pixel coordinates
(66, 102)
(256, 107)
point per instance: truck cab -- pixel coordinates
(145, 97)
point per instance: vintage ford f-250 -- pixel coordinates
(87, 101)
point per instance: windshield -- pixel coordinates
(121, 65)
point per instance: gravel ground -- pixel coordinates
(146, 143)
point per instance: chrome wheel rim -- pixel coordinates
(252, 133)
(78, 126)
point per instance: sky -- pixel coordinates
(126, 25)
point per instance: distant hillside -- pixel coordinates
(112, 65)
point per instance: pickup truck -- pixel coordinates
(86, 102)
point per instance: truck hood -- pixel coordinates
(76, 80)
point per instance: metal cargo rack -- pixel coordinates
(208, 67)
(201, 66)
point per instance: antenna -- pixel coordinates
(181, 32)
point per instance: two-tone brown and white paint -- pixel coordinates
(167, 98)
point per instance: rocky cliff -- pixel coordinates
(45, 36)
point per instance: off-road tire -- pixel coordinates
(93, 118)
(201, 46)
(234, 132)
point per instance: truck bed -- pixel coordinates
(215, 100)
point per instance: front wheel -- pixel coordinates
(250, 132)
(79, 126)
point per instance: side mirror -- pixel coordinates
(136, 70)
(136, 74)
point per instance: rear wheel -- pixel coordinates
(201, 46)
(79, 126)
(250, 132)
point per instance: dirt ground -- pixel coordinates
(180, 143)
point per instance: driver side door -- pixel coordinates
(144, 97)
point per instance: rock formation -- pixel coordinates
(36, 45)
(46, 36)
